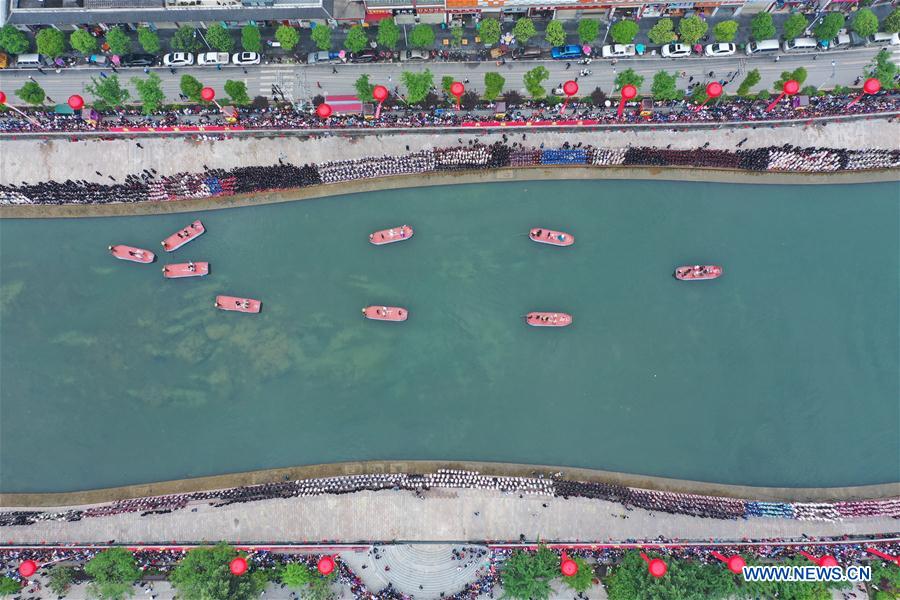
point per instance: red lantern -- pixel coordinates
(657, 566)
(76, 102)
(457, 89)
(790, 87)
(325, 565)
(238, 566)
(2, 98)
(628, 93)
(828, 561)
(27, 568)
(871, 86)
(735, 563)
(208, 94)
(380, 93)
(568, 567)
(570, 88)
(323, 110)
(713, 91)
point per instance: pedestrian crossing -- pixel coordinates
(273, 80)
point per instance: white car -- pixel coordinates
(675, 50)
(719, 49)
(212, 58)
(245, 58)
(884, 39)
(414, 55)
(618, 50)
(178, 59)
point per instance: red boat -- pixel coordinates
(389, 236)
(131, 253)
(548, 236)
(698, 272)
(188, 269)
(548, 319)
(385, 313)
(247, 305)
(180, 238)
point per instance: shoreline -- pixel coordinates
(440, 178)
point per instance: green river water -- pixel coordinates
(783, 372)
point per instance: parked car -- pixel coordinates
(245, 58)
(529, 52)
(364, 56)
(800, 43)
(321, 57)
(842, 39)
(30, 61)
(178, 59)
(762, 46)
(719, 49)
(4, 60)
(138, 60)
(675, 50)
(407, 55)
(884, 39)
(618, 50)
(566, 52)
(212, 58)
(98, 59)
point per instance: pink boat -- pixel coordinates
(389, 236)
(548, 319)
(180, 238)
(548, 236)
(188, 269)
(138, 255)
(698, 272)
(247, 305)
(385, 313)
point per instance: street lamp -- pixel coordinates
(833, 64)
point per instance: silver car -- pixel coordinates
(212, 58)
(407, 55)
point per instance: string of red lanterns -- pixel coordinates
(629, 92)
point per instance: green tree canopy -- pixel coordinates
(186, 40)
(761, 27)
(251, 39)
(883, 69)
(417, 85)
(191, 87)
(749, 81)
(388, 33)
(588, 30)
(9, 586)
(108, 91)
(219, 38)
(364, 88)
(456, 31)
(533, 80)
(799, 75)
(489, 31)
(623, 32)
(794, 26)
(629, 77)
(237, 91)
(31, 93)
(204, 574)
(61, 577)
(421, 36)
(149, 40)
(828, 28)
(664, 86)
(50, 42)
(783, 590)
(630, 580)
(289, 37)
(890, 24)
(82, 41)
(493, 85)
(555, 34)
(119, 42)
(865, 23)
(692, 29)
(13, 41)
(356, 39)
(113, 571)
(524, 30)
(150, 92)
(446, 82)
(662, 32)
(527, 575)
(725, 31)
(295, 575)
(582, 580)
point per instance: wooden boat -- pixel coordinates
(247, 305)
(385, 313)
(698, 272)
(138, 255)
(188, 269)
(548, 319)
(180, 238)
(389, 236)
(548, 236)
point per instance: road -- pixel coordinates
(302, 82)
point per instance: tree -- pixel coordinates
(513, 98)
(363, 88)
(113, 572)
(149, 40)
(388, 33)
(356, 39)
(185, 39)
(794, 26)
(799, 75)
(724, 31)
(692, 29)
(82, 41)
(456, 31)
(321, 35)
(761, 27)
(295, 575)
(528, 575)
(150, 92)
(237, 91)
(489, 31)
(763, 95)
(664, 87)
(662, 32)
(883, 69)
(13, 41)
(524, 30)
(749, 81)
(493, 85)
(50, 42)
(421, 36)
(118, 41)
(219, 38)
(31, 93)
(828, 28)
(865, 23)
(289, 37)
(469, 100)
(251, 39)
(190, 87)
(108, 91)
(555, 34)
(629, 580)
(588, 30)
(582, 580)
(417, 85)
(9, 586)
(629, 77)
(533, 80)
(791, 590)
(890, 24)
(623, 32)
(203, 574)
(598, 96)
(446, 82)
(61, 577)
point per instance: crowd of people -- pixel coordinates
(148, 185)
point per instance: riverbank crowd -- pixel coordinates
(149, 186)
